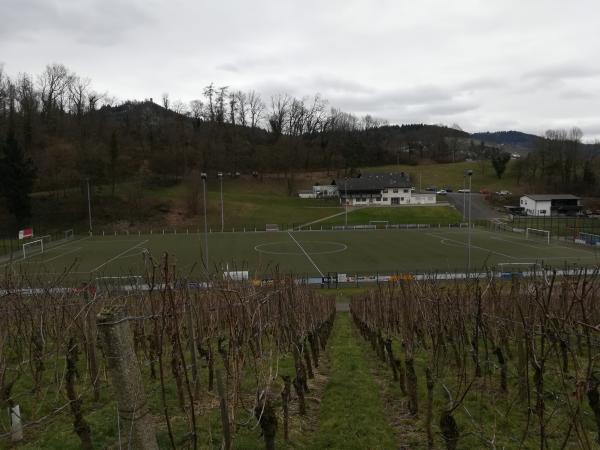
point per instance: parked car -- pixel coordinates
(484, 191)
(431, 189)
(464, 191)
(503, 193)
(442, 192)
(447, 189)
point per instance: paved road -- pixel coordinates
(480, 209)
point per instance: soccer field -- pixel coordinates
(306, 253)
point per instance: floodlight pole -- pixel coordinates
(464, 208)
(89, 204)
(470, 174)
(220, 175)
(345, 202)
(203, 176)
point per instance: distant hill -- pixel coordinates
(515, 139)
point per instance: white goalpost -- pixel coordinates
(36, 246)
(545, 234)
(385, 223)
(124, 283)
(271, 227)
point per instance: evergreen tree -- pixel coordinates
(114, 155)
(17, 176)
(499, 162)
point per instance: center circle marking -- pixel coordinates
(338, 247)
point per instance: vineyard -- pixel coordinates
(492, 364)
(495, 364)
(165, 368)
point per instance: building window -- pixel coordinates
(542, 211)
(395, 191)
(401, 199)
(385, 191)
(385, 199)
(406, 191)
(378, 199)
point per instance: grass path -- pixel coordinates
(352, 414)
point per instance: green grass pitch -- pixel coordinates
(307, 253)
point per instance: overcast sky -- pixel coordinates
(491, 65)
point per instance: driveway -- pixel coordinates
(480, 209)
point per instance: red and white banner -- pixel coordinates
(26, 233)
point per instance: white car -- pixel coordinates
(464, 191)
(441, 192)
(503, 193)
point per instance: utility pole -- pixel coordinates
(220, 175)
(203, 176)
(89, 204)
(345, 201)
(470, 174)
(464, 208)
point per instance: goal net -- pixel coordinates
(33, 248)
(69, 234)
(535, 233)
(119, 283)
(512, 268)
(588, 238)
(383, 223)
(271, 227)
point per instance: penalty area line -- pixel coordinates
(305, 254)
(119, 255)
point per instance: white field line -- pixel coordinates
(465, 244)
(73, 250)
(322, 219)
(119, 255)
(305, 254)
(50, 249)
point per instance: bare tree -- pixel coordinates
(242, 108)
(233, 107)
(256, 108)
(220, 104)
(279, 113)
(78, 95)
(165, 100)
(209, 93)
(53, 84)
(180, 108)
(196, 109)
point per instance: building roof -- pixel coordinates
(375, 181)
(542, 197)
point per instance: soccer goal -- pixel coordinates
(535, 233)
(119, 283)
(69, 234)
(519, 268)
(271, 227)
(33, 248)
(383, 223)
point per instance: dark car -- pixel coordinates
(447, 189)
(431, 189)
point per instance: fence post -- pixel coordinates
(224, 411)
(16, 428)
(124, 371)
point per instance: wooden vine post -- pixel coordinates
(124, 371)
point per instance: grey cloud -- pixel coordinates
(90, 22)
(562, 71)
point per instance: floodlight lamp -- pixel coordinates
(203, 175)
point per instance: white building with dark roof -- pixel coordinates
(380, 189)
(550, 204)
